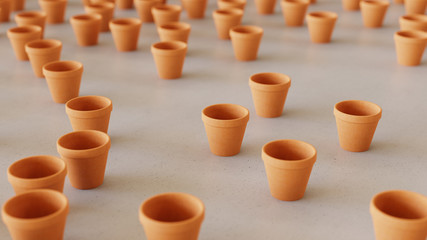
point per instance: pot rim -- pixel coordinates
(288, 163)
(234, 122)
(281, 81)
(75, 112)
(358, 118)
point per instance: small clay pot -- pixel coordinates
(195, 8)
(373, 12)
(288, 164)
(225, 4)
(399, 214)
(264, 7)
(143, 8)
(410, 46)
(351, 5)
(172, 216)
(37, 172)
(19, 36)
(169, 58)
(36, 214)
(413, 22)
(356, 123)
(85, 153)
(124, 4)
(63, 79)
(246, 41)
(43, 51)
(321, 26)
(174, 31)
(225, 126)
(17, 5)
(89, 113)
(86, 28)
(165, 13)
(225, 19)
(294, 11)
(415, 6)
(105, 9)
(125, 33)
(398, 1)
(54, 9)
(5, 9)
(269, 91)
(37, 18)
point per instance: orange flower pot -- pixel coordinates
(5, 6)
(105, 9)
(269, 91)
(37, 18)
(410, 46)
(63, 79)
(172, 216)
(36, 214)
(246, 41)
(373, 12)
(321, 26)
(17, 5)
(54, 9)
(288, 164)
(124, 4)
(19, 36)
(225, 126)
(264, 7)
(165, 13)
(89, 113)
(195, 8)
(125, 33)
(143, 8)
(85, 153)
(86, 28)
(294, 11)
(225, 19)
(225, 4)
(399, 214)
(43, 51)
(169, 58)
(413, 22)
(174, 31)
(356, 123)
(37, 172)
(415, 6)
(351, 5)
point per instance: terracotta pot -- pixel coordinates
(105, 9)
(125, 33)
(415, 6)
(143, 8)
(164, 13)
(43, 51)
(63, 79)
(5, 6)
(225, 4)
(321, 26)
(246, 41)
(269, 91)
(265, 6)
(169, 58)
(54, 9)
(37, 18)
(36, 214)
(174, 31)
(294, 11)
(17, 5)
(124, 4)
(356, 123)
(398, 1)
(288, 165)
(399, 214)
(373, 12)
(86, 28)
(313, 1)
(225, 126)
(89, 113)
(19, 36)
(351, 5)
(172, 216)
(85, 153)
(225, 19)
(195, 8)
(37, 172)
(410, 46)
(413, 22)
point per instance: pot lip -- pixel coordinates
(226, 122)
(30, 14)
(375, 3)
(414, 17)
(167, 7)
(284, 81)
(411, 35)
(86, 17)
(105, 143)
(228, 12)
(233, 1)
(197, 201)
(100, 5)
(177, 47)
(177, 25)
(54, 44)
(374, 207)
(246, 30)
(358, 118)
(296, 2)
(322, 15)
(286, 163)
(78, 66)
(108, 106)
(48, 192)
(29, 30)
(128, 22)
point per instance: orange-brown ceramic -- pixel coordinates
(265, 6)
(164, 13)
(246, 41)
(294, 11)
(321, 26)
(225, 19)
(351, 5)
(125, 33)
(54, 9)
(43, 51)
(31, 18)
(174, 31)
(410, 46)
(415, 6)
(373, 12)
(19, 36)
(143, 8)
(224, 4)
(5, 8)
(17, 5)
(169, 58)
(195, 8)
(413, 22)
(86, 28)
(105, 9)
(124, 4)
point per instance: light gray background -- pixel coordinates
(158, 138)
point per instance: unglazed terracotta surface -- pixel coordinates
(159, 142)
